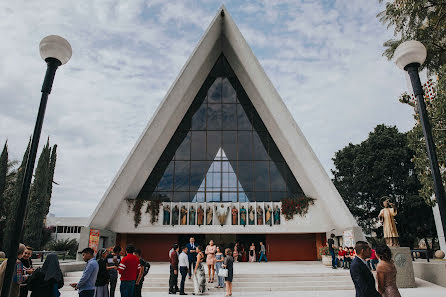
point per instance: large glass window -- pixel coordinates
(221, 151)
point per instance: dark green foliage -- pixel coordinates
(50, 178)
(422, 20)
(37, 202)
(64, 245)
(13, 199)
(381, 166)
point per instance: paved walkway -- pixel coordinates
(276, 269)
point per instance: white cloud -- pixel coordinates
(325, 61)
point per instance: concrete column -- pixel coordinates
(439, 227)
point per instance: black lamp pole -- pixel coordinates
(16, 232)
(412, 70)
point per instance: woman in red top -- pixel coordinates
(341, 256)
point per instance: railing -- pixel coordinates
(417, 253)
(41, 254)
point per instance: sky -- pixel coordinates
(324, 58)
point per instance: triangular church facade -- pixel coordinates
(218, 159)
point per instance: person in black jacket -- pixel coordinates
(361, 275)
(103, 276)
(145, 266)
(47, 280)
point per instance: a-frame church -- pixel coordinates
(221, 154)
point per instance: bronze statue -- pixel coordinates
(276, 213)
(268, 216)
(183, 214)
(234, 216)
(209, 215)
(222, 213)
(251, 216)
(192, 215)
(166, 215)
(175, 213)
(200, 216)
(386, 217)
(259, 216)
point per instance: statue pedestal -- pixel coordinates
(405, 277)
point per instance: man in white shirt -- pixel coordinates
(183, 263)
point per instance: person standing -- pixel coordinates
(28, 269)
(386, 273)
(173, 279)
(331, 248)
(360, 273)
(199, 273)
(103, 276)
(228, 263)
(48, 279)
(210, 260)
(192, 255)
(219, 258)
(373, 261)
(262, 253)
(113, 260)
(235, 253)
(144, 269)
(183, 263)
(252, 253)
(86, 284)
(128, 269)
(19, 276)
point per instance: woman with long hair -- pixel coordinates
(48, 279)
(229, 265)
(199, 273)
(252, 253)
(210, 260)
(218, 265)
(386, 273)
(103, 276)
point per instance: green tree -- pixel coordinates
(52, 167)
(13, 199)
(424, 21)
(381, 166)
(38, 200)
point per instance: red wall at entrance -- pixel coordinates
(154, 247)
(280, 247)
(291, 247)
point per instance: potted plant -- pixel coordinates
(326, 256)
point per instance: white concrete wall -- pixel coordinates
(63, 236)
(316, 221)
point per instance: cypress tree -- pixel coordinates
(50, 178)
(14, 199)
(37, 201)
(3, 174)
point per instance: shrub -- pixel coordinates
(69, 245)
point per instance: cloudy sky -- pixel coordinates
(324, 57)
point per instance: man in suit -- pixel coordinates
(192, 255)
(360, 272)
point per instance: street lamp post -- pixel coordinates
(56, 51)
(409, 56)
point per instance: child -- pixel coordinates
(341, 254)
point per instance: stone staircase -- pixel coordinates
(250, 282)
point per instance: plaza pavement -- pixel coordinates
(285, 279)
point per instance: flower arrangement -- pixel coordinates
(324, 251)
(292, 206)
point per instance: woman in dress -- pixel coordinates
(235, 254)
(48, 279)
(243, 252)
(228, 263)
(252, 253)
(199, 273)
(210, 260)
(103, 276)
(386, 273)
(219, 262)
